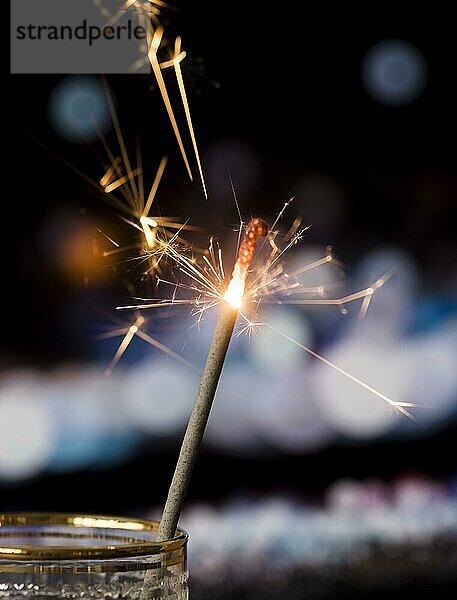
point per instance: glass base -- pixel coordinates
(77, 556)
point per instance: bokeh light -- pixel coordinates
(434, 380)
(157, 396)
(269, 351)
(91, 428)
(277, 534)
(290, 418)
(70, 242)
(78, 110)
(394, 72)
(349, 408)
(232, 427)
(27, 430)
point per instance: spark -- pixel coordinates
(108, 238)
(155, 186)
(151, 8)
(177, 58)
(120, 139)
(153, 342)
(157, 303)
(121, 176)
(157, 35)
(129, 335)
(399, 406)
(136, 330)
(250, 327)
(119, 249)
(365, 306)
(241, 222)
(110, 172)
(182, 90)
(270, 283)
(366, 294)
(116, 184)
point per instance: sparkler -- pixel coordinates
(269, 282)
(207, 282)
(209, 381)
(206, 392)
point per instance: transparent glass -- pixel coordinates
(86, 556)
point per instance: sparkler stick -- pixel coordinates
(209, 381)
(197, 421)
(207, 390)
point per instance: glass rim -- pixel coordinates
(134, 548)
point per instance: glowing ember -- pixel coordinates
(235, 291)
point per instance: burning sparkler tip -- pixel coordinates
(235, 291)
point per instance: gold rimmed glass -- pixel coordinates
(52, 555)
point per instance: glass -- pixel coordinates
(84, 556)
